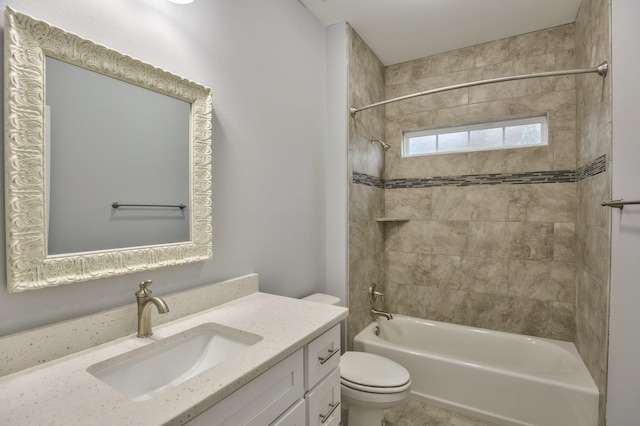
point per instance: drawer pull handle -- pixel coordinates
(328, 357)
(325, 417)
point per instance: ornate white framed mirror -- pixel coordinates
(37, 254)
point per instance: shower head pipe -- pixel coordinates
(385, 146)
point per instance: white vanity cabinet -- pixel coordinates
(302, 390)
(261, 401)
(322, 379)
(323, 401)
(295, 416)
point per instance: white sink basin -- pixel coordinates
(143, 373)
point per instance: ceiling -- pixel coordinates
(404, 30)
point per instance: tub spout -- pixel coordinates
(387, 315)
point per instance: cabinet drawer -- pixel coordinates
(322, 355)
(323, 402)
(295, 416)
(261, 401)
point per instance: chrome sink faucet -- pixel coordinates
(144, 308)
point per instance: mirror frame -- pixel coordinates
(27, 42)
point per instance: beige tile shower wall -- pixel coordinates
(547, 50)
(593, 45)
(500, 257)
(366, 203)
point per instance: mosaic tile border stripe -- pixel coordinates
(561, 176)
(368, 180)
(597, 166)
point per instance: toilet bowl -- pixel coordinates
(369, 383)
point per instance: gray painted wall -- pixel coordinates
(337, 161)
(266, 64)
(623, 392)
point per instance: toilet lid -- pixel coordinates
(372, 370)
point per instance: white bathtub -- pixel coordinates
(505, 378)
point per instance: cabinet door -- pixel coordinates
(323, 402)
(295, 416)
(322, 356)
(261, 401)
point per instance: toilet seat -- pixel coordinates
(373, 389)
(372, 373)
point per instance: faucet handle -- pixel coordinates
(144, 292)
(374, 294)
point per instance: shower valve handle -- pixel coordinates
(374, 294)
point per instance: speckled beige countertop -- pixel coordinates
(62, 392)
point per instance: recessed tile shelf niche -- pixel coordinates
(392, 219)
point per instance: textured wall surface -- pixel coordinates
(495, 256)
(528, 258)
(366, 203)
(266, 66)
(593, 233)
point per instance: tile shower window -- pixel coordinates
(495, 135)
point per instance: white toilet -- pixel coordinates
(370, 383)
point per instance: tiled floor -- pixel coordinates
(416, 413)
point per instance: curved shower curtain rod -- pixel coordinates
(600, 69)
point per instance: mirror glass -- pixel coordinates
(144, 159)
(86, 127)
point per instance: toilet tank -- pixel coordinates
(327, 299)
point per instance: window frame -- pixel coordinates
(542, 119)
